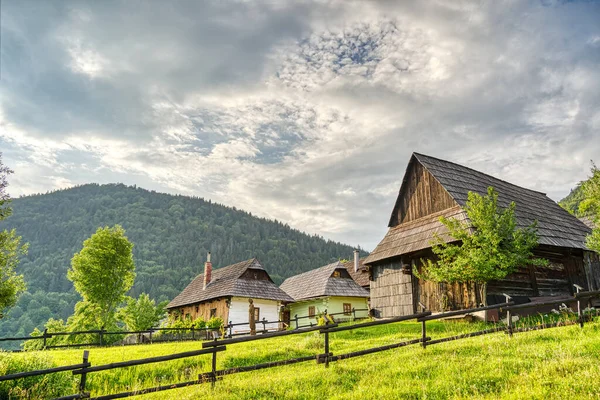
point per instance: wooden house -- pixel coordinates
(432, 188)
(224, 293)
(329, 288)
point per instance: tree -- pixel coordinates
(11, 284)
(103, 271)
(489, 247)
(143, 313)
(590, 206)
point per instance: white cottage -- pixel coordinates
(225, 293)
(328, 289)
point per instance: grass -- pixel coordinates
(549, 364)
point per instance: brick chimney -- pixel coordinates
(356, 260)
(207, 271)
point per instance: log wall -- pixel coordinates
(394, 293)
(591, 266)
(203, 309)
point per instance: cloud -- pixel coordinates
(306, 112)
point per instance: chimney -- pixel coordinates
(356, 260)
(207, 271)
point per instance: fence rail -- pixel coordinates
(195, 333)
(215, 346)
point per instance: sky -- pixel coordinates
(305, 112)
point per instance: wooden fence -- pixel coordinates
(216, 346)
(178, 334)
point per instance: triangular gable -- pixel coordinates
(420, 195)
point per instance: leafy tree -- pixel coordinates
(490, 247)
(102, 272)
(590, 206)
(143, 313)
(11, 284)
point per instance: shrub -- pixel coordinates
(214, 323)
(52, 325)
(33, 387)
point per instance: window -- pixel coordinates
(213, 312)
(256, 314)
(187, 316)
(336, 274)
(347, 308)
(311, 311)
(197, 309)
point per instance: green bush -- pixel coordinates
(214, 323)
(34, 387)
(199, 323)
(52, 325)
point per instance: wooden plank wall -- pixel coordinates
(203, 309)
(591, 266)
(439, 297)
(394, 293)
(422, 195)
(391, 291)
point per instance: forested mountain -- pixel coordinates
(571, 202)
(171, 236)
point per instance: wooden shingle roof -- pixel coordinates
(319, 283)
(226, 282)
(362, 275)
(556, 226)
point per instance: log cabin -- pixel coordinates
(432, 188)
(224, 293)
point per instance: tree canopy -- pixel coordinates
(142, 314)
(590, 206)
(11, 249)
(103, 271)
(489, 246)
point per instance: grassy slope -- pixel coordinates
(555, 363)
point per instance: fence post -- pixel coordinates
(214, 367)
(423, 328)
(230, 329)
(509, 329)
(353, 313)
(86, 354)
(579, 313)
(150, 335)
(45, 336)
(327, 345)
(296, 318)
(264, 322)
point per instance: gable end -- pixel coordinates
(421, 194)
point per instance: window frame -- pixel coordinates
(311, 311)
(347, 307)
(256, 313)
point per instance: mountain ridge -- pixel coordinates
(171, 235)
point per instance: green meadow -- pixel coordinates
(554, 363)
